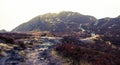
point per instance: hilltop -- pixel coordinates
(65, 21)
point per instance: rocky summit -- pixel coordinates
(65, 21)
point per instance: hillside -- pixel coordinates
(36, 49)
(57, 22)
(74, 52)
(70, 22)
(2, 31)
(108, 25)
(45, 40)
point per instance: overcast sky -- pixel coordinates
(15, 12)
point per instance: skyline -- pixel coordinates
(16, 12)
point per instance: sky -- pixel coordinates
(16, 12)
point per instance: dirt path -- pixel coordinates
(38, 54)
(42, 57)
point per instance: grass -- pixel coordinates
(68, 61)
(82, 62)
(5, 45)
(65, 61)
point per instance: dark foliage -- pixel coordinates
(6, 39)
(98, 53)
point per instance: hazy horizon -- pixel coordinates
(16, 12)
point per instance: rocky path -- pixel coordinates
(32, 58)
(42, 57)
(39, 54)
